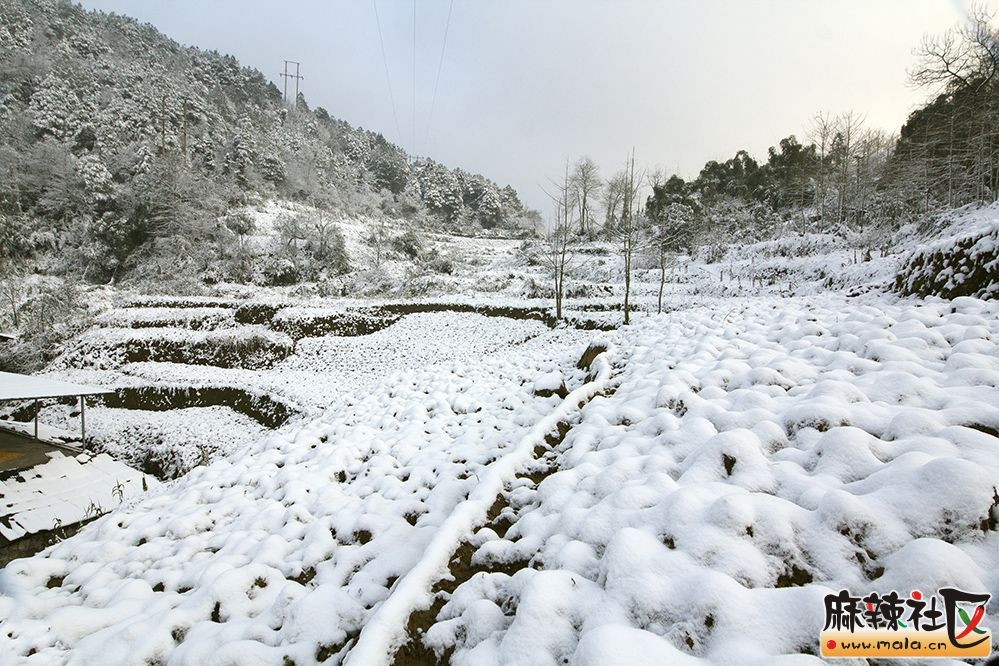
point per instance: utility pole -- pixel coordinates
(285, 75)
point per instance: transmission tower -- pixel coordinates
(286, 75)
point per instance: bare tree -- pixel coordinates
(291, 232)
(378, 238)
(612, 195)
(874, 148)
(557, 244)
(963, 64)
(628, 229)
(656, 178)
(12, 290)
(962, 57)
(821, 131)
(586, 184)
(849, 127)
(324, 231)
(557, 256)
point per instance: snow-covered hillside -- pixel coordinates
(500, 268)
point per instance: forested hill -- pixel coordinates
(120, 147)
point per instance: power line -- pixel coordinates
(388, 79)
(440, 66)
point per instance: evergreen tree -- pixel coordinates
(53, 108)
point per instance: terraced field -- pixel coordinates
(691, 489)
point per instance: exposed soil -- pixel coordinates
(262, 408)
(346, 324)
(461, 569)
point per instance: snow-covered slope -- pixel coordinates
(751, 461)
(752, 456)
(286, 548)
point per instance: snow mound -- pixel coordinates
(751, 460)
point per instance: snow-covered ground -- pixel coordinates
(306, 382)
(751, 456)
(751, 461)
(297, 537)
(787, 428)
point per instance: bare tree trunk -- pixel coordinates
(628, 230)
(557, 253)
(627, 287)
(558, 296)
(662, 284)
(13, 308)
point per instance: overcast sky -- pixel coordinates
(528, 83)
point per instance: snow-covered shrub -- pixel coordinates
(589, 290)
(47, 315)
(440, 264)
(374, 282)
(711, 253)
(241, 347)
(965, 265)
(533, 289)
(281, 271)
(315, 322)
(409, 244)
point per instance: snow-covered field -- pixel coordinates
(749, 457)
(361, 485)
(750, 462)
(305, 382)
(285, 547)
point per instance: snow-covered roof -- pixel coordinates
(65, 491)
(28, 387)
(7, 336)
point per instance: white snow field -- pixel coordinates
(285, 548)
(316, 372)
(752, 460)
(748, 457)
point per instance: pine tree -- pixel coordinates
(143, 160)
(239, 159)
(53, 107)
(96, 178)
(203, 153)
